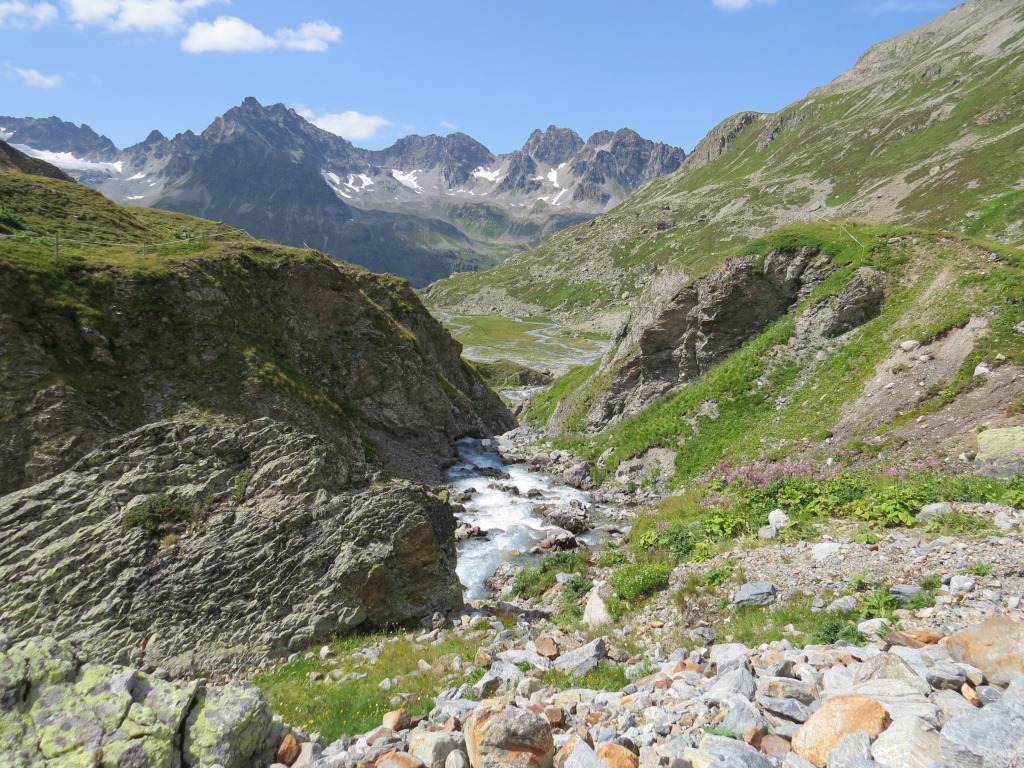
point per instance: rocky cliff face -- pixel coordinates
(707, 320)
(188, 441)
(323, 346)
(202, 546)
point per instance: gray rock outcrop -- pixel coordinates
(57, 709)
(199, 547)
(705, 322)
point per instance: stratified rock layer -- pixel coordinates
(269, 551)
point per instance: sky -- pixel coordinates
(376, 70)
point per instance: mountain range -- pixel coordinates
(422, 208)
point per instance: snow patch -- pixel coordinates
(561, 165)
(5, 134)
(136, 177)
(559, 197)
(134, 197)
(486, 173)
(553, 176)
(331, 178)
(69, 162)
(359, 182)
(407, 180)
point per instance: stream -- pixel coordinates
(508, 518)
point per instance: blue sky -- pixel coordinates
(374, 70)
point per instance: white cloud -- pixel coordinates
(739, 5)
(35, 78)
(126, 15)
(349, 125)
(312, 37)
(19, 14)
(884, 7)
(448, 126)
(230, 34)
(226, 33)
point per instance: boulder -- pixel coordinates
(434, 747)
(508, 737)
(993, 646)
(908, 743)
(58, 708)
(836, 718)
(583, 659)
(1000, 452)
(989, 737)
(617, 756)
(756, 593)
(167, 523)
(228, 725)
(595, 612)
(578, 475)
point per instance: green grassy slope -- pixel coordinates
(776, 398)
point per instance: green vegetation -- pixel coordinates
(159, 513)
(356, 703)
(533, 342)
(637, 580)
(604, 677)
(735, 501)
(533, 582)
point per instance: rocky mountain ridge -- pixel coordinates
(454, 204)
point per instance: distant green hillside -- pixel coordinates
(926, 131)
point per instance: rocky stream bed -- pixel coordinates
(943, 689)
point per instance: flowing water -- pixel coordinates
(508, 518)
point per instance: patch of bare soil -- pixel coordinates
(909, 377)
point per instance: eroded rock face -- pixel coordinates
(331, 349)
(264, 551)
(57, 709)
(705, 322)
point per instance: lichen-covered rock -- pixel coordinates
(258, 550)
(59, 710)
(228, 725)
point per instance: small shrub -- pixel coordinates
(11, 220)
(534, 582)
(879, 604)
(242, 485)
(960, 524)
(979, 568)
(159, 513)
(837, 627)
(637, 580)
(612, 557)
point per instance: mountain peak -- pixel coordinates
(553, 146)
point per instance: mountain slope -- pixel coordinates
(189, 317)
(927, 130)
(423, 208)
